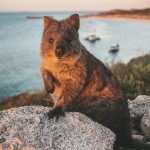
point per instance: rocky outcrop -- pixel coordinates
(28, 128)
(140, 117)
(139, 106)
(145, 125)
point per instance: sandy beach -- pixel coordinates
(120, 18)
(110, 17)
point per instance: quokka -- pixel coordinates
(80, 81)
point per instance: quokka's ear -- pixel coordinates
(48, 21)
(74, 21)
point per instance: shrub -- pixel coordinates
(134, 77)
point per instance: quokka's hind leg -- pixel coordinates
(113, 114)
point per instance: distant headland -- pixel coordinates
(140, 14)
(132, 14)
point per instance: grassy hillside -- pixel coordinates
(24, 99)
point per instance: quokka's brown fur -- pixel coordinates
(81, 82)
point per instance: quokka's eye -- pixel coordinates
(50, 41)
(69, 39)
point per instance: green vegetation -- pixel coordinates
(134, 78)
(26, 99)
(140, 12)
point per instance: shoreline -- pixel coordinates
(110, 17)
(119, 18)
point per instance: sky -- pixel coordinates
(61, 5)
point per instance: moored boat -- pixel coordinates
(92, 37)
(114, 48)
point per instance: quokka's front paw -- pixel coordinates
(56, 112)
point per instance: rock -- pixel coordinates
(138, 107)
(145, 125)
(138, 137)
(28, 128)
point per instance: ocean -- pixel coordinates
(20, 46)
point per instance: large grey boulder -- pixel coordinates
(145, 125)
(139, 106)
(27, 128)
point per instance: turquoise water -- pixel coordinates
(20, 46)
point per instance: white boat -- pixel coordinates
(92, 37)
(114, 48)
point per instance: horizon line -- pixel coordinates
(58, 10)
(84, 10)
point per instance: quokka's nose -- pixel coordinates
(59, 52)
